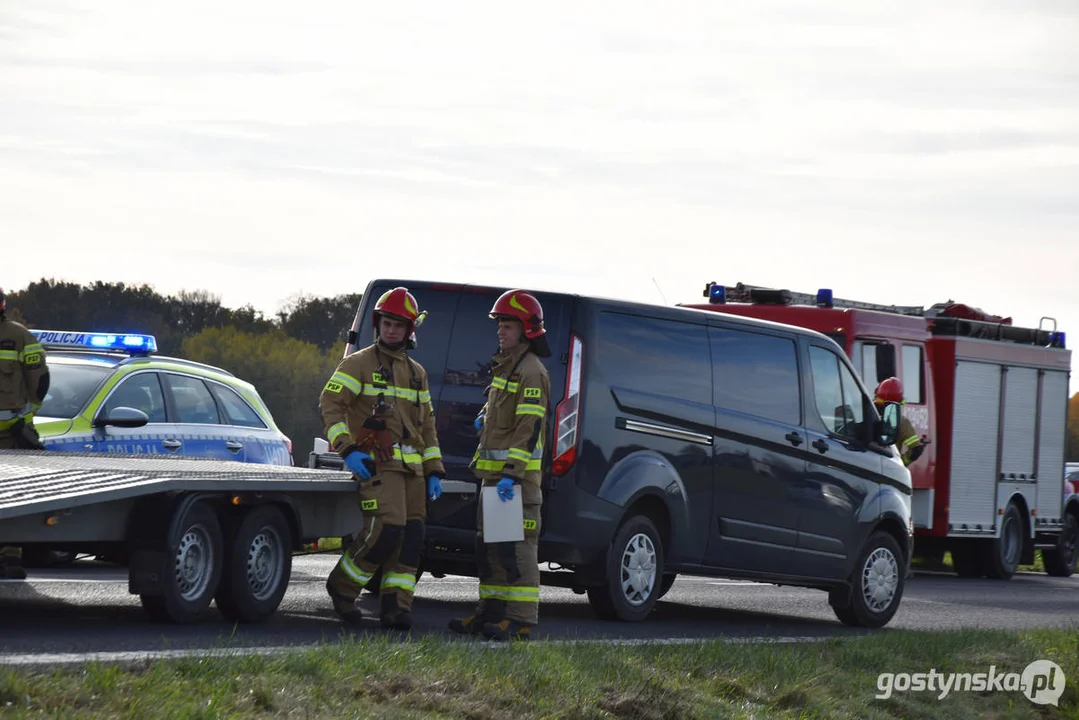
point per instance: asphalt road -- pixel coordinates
(86, 608)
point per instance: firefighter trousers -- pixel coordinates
(509, 571)
(394, 505)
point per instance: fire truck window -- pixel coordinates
(838, 399)
(912, 374)
(756, 374)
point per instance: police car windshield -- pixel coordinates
(70, 387)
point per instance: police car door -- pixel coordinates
(141, 391)
(199, 420)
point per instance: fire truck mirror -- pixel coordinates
(889, 424)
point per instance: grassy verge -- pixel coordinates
(434, 678)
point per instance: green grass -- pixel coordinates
(433, 678)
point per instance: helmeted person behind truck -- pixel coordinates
(909, 443)
(510, 453)
(24, 382)
(378, 416)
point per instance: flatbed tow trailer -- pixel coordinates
(191, 531)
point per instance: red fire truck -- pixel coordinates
(990, 398)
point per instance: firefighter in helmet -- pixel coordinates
(24, 383)
(511, 426)
(377, 411)
(910, 444)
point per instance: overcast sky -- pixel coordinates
(906, 152)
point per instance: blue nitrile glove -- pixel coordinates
(434, 486)
(360, 463)
(505, 489)
(478, 424)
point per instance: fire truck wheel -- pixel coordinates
(258, 564)
(634, 573)
(1061, 560)
(876, 586)
(194, 570)
(1002, 553)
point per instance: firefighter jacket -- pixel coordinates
(908, 440)
(386, 384)
(511, 438)
(24, 376)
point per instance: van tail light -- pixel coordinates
(567, 417)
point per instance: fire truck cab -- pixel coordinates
(989, 398)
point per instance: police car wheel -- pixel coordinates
(258, 563)
(634, 573)
(876, 585)
(193, 571)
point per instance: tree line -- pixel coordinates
(288, 356)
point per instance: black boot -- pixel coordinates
(345, 607)
(392, 617)
(493, 611)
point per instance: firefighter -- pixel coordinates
(511, 427)
(910, 444)
(24, 382)
(377, 411)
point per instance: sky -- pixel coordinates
(904, 153)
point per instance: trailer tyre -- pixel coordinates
(876, 585)
(257, 567)
(194, 568)
(1061, 560)
(1002, 554)
(634, 573)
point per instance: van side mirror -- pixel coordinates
(888, 431)
(124, 417)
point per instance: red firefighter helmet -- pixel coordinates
(889, 390)
(401, 304)
(523, 306)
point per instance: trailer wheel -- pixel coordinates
(876, 585)
(634, 573)
(258, 564)
(194, 572)
(1002, 553)
(1061, 560)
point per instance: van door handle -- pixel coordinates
(171, 444)
(822, 447)
(793, 438)
(234, 446)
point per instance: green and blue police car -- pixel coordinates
(113, 393)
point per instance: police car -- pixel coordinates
(113, 393)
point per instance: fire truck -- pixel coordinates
(989, 398)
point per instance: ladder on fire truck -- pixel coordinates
(947, 318)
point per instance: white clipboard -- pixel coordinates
(502, 521)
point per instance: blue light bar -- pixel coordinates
(824, 298)
(1058, 339)
(717, 294)
(130, 343)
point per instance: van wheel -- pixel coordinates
(1061, 560)
(876, 585)
(257, 567)
(634, 573)
(1002, 553)
(194, 570)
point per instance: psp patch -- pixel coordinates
(533, 393)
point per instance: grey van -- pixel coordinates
(682, 442)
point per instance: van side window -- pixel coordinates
(839, 400)
(756, 374)
(913, 384)
(656, 356)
